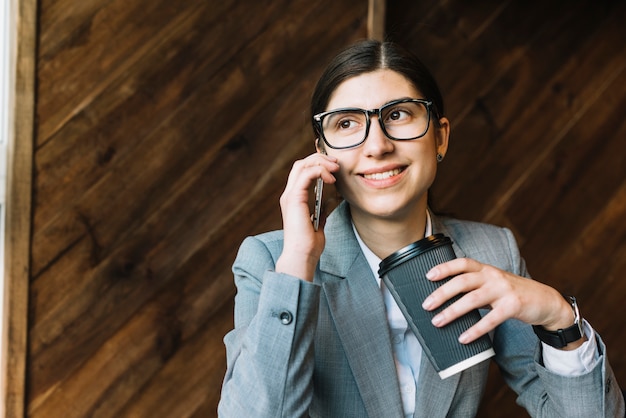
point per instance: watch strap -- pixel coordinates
(559, 338)
(562, 337)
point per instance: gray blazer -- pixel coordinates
(323, 349)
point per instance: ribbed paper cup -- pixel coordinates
(404, 274)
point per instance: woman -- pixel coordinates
(317, 334)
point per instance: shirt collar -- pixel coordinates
(372, 259)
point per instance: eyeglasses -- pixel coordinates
(400, 120)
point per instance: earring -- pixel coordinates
(439, 157)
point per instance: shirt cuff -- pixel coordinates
(575, 362)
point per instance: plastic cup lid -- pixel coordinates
(412, 250)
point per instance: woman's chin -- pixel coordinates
(383, 212)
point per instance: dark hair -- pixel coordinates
(371, 55)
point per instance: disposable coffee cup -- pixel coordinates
(404, 274)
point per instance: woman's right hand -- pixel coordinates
(303, 245)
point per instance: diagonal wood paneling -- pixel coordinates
(165, 134)
(535, 92)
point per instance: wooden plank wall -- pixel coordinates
(20, 100)
(165, 131)
(536, 93)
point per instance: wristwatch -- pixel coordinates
(561, 337)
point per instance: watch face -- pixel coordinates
(577, 319)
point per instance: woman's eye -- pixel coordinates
(346, 124)
(397, 114)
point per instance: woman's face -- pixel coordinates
(382, 177)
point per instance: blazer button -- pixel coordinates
(285, 317)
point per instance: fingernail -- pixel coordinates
(428, 302)
(437, 320)
(432, 274)
(463, 339)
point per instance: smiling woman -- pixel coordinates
(347, 348)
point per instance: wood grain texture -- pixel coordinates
(376, 19)
(165, 132)
(535, 92)
(18, 209)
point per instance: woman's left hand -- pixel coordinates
(507, 295)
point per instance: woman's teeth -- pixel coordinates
(384, 175)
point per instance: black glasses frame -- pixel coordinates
(319, 119)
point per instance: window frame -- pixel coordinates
(19, 63)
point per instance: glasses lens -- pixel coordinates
(345, 128)
(405, 120)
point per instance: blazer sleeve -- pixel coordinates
(269, 352)
(541, 392)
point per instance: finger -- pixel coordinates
(314, 164)
(457, 285)
(486, 324)
(304, 172)
(318, 159)
(295, 199)
(452, 268)
(301, 181)
(475, 299)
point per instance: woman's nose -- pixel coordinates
(377, 143)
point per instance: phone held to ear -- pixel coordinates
(319, 186)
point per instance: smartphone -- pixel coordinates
(319, 186)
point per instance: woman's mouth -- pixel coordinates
(383, 175)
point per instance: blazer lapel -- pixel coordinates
(440, 228)
(434, 394)
(350, 287)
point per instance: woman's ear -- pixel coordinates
(442, 136)
(319, 146)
